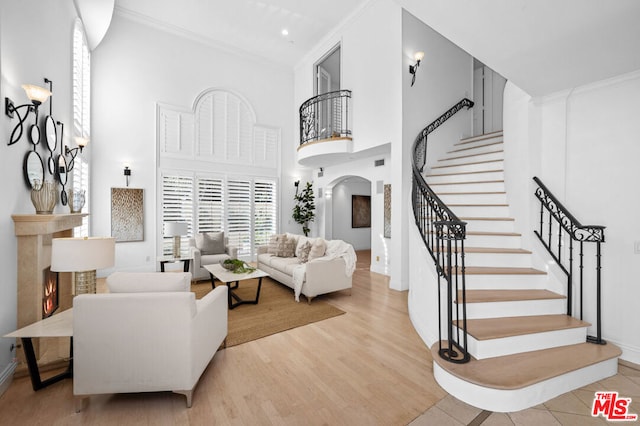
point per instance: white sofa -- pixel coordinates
(331, 272)
(148, 334)
(199, 260)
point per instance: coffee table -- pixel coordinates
(233, 300)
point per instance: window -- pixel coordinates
(81, 115)
(245, 209)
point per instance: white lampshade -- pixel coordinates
(418, 56)
(81, 142)
(82, 254)
(175, 229)
(36, 93)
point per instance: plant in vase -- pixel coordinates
(304, 210)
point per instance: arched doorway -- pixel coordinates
(350, 206)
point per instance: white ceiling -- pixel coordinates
(252, 26)
(543, 46)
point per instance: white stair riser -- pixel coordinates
(481, 349)
(505, 282)
(479, 149)
(500, 260)
(470, 186)
(465, 177)
(465, 157)
(489, 225)
(480, 210)
(507, 400)
(463, 167)
(493, 241)
(474, 198)
(477, 141)
(516, 308)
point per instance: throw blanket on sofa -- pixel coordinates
(335, 249)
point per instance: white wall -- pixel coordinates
(136, 66)
(341, 195)
(35, 42)
(370, 68)
(584, 148)
(443, 79)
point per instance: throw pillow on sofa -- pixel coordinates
(272, 247)
(318, 248)
(301, 240)
(286, 247)
(210, 242)
(304, 252)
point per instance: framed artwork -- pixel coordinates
(387, 210)
(127, 214)
(361, 211)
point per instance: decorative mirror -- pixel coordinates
(51, 135)
(62, 175)
(33, 170)
(34, 134)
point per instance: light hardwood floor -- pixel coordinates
(367, 366)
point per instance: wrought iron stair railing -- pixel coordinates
(560, 246)
(443, 235)
(325, 116)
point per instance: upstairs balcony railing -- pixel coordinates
(443, 234)
(326, 116)
(561, 234)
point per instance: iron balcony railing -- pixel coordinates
(443, 235)
(559, 231)
(325, 116)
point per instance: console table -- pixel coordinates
(59, 325)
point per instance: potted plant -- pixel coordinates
(303, 211)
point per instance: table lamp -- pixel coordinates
(176, 230)
(82, 256)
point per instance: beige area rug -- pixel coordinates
(276, 310)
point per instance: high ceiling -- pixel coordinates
(252, 26)
(543, 46)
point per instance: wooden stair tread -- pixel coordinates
(467, 182)
(528, 368)
(507, 219)
(466, 164)
(492, 270)
(465, 173)
(497, 328)
(494, 250)
(487, 296)
(480, 137)
(461, 150)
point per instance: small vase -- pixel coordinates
(45, 198)
(76, 199)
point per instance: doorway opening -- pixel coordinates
(488, 88)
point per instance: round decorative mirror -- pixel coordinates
(33, 170)
(61, 172)
(34, 134)
(51, 133)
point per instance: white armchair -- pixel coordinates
(149, 334)
(200, 259)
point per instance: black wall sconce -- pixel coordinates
(73, 152)
(296, 184)
(418, 56)
(127, 173)
(37, 95)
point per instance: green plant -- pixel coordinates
(238, 266)
(304, 210)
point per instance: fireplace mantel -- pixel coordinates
(42, 224)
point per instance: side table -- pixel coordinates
(170, 259)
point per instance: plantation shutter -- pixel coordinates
(265, 211)
(177, 205)
(239, 218)
(210, 204)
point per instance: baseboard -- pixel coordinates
(629, 353)
(7, 376)
(379, 269)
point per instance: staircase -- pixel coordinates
(525, 350)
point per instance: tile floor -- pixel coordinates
(569, 409)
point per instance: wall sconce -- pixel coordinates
(37, 95)
(296, 184)
(73, 152)
(127, 173)
(418, 56)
